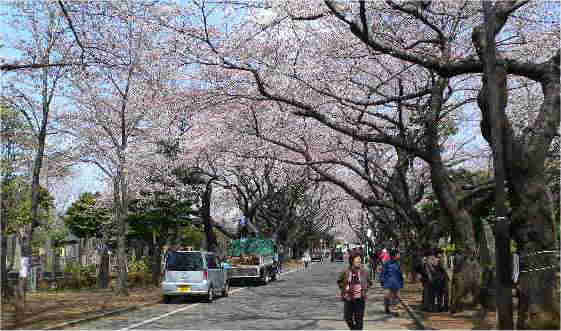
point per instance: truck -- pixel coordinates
(253, 259)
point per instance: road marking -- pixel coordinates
(184, 308)
(170, 313)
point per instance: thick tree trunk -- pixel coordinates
(532, 220)
(488, 264)
(467, 272)
(535, 236)
(532, 223)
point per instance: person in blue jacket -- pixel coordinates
(391, 279)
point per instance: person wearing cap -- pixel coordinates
(392, 279)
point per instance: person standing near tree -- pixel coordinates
(373, 265)
(353, 284)
(440, 283)
(392, 279)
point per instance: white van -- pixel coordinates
(194, 273)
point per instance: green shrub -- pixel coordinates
(139, 272)
(80, 276)
(139, 279)
(139, 265)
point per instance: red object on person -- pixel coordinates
(384, 257)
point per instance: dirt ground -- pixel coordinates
(466, 320)
(46, 309)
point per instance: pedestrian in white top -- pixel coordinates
(306, 258)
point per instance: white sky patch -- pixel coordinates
(264, 17)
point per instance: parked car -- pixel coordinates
(194, 273)
(317, 257)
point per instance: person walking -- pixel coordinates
(280, 260)
(373, 266)
(306, 258)
(392, 280)
(353, 284)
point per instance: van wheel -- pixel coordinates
(167, 299)
(266, 278)
(210, 295)
(226, 291)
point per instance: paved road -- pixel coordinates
(300, 300)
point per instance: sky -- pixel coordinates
(86, 177)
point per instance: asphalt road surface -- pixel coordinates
(300, 300)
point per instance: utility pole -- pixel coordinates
(502, 234)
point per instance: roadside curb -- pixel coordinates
(418, 321)
(101, 315)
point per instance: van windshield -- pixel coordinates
(184, 261)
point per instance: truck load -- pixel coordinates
(253, 259)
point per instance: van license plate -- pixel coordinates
(183, 289)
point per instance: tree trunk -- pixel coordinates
(103, 275)
(25, 246)
(493, 99)
(467, 273)
(156, 264)
(211, 241)
(534, 233)
(4, 247)
(80, 250)
(120, 217)
(488, 263)
(532, 223)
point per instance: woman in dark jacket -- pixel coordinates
(391, 279)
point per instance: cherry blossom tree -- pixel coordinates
(524, 157)
(32, 93)
(118, 104)
(339, 63)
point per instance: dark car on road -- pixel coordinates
(338, 257)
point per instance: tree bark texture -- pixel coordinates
(120, 192)
(156, 264)
(6, 292)
(467, 271)
(211, 241)
(103, 275)
(532, 221)
(496, 99)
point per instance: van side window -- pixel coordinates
(211, 261)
